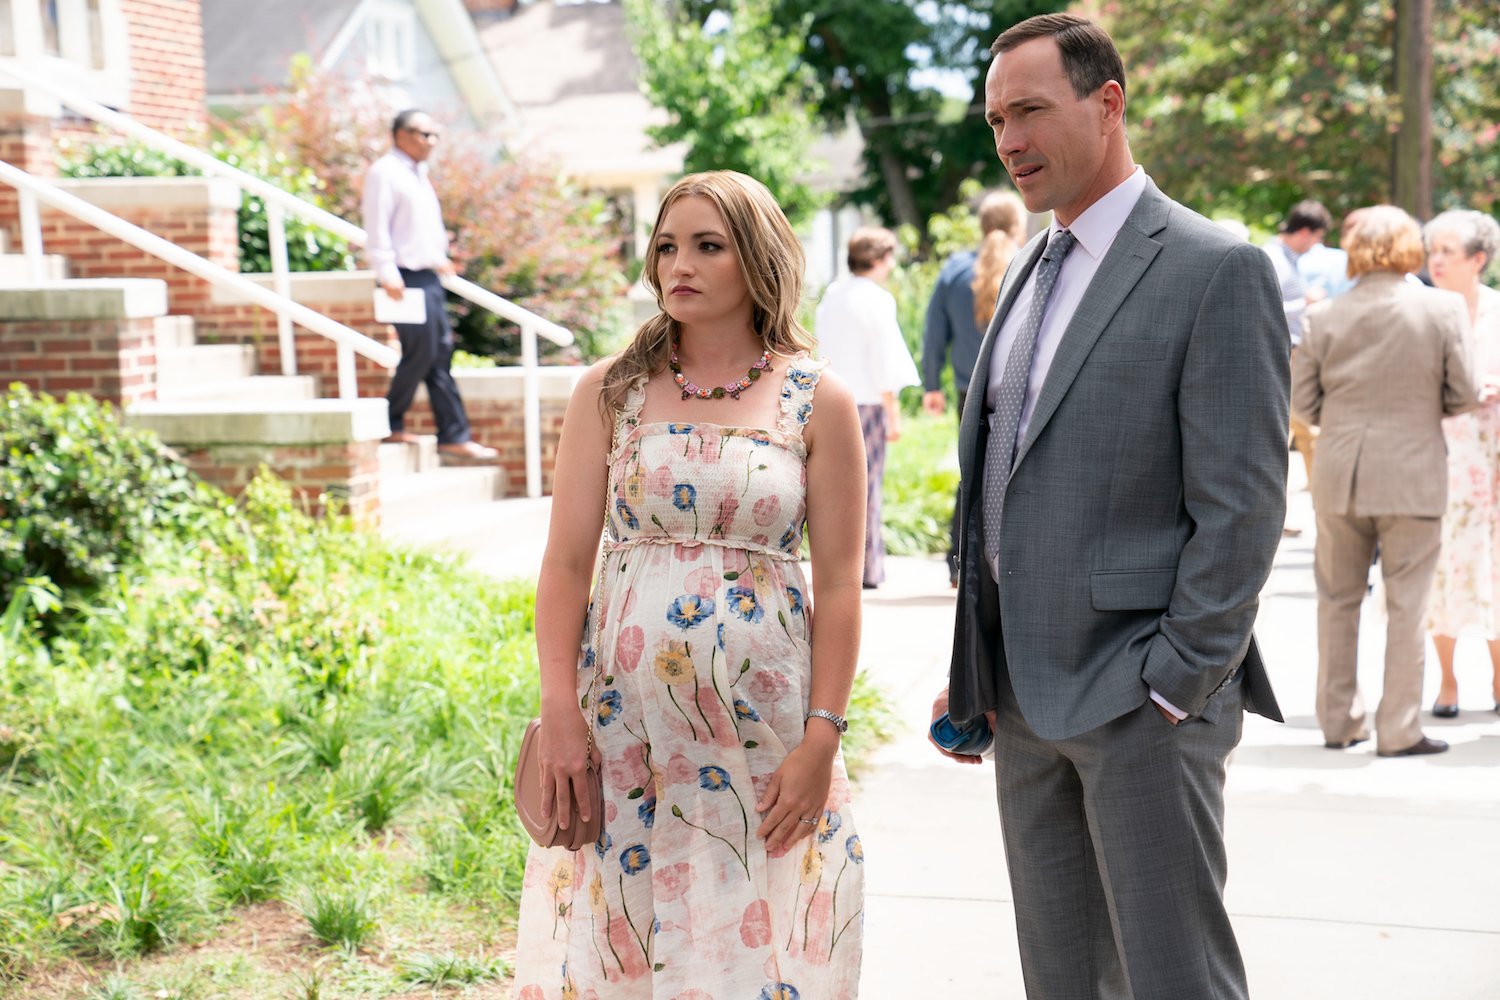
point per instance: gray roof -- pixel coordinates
(248, 44)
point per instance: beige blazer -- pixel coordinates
(1378, 369)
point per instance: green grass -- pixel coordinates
(921, 477)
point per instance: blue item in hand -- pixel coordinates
(973, 739)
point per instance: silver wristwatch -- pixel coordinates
(839, 722)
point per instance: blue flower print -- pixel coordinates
(679, 428)
(609, 707)
(713, 778)
(603, 844)
(588, 659)
(855, 849)
(828, 825)
(788, 538)
(684, 496)
(634, 859)
(779, 991)
(744, 711)
(794, 598)
(760, 438)
(627, 515)
(690, 611)
(743, 603)
(803, 412)
(721, 636)
(647, 812)
(801, 379)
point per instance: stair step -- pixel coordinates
(265, 388)
(175, 331)
(428, 496)
(191, 368)
(15, 269)
(398, 459)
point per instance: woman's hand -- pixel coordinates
(565, 757)
(798, 790)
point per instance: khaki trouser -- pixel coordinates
(1409, 549)
(1304, 439)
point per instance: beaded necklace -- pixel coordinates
(731, 389)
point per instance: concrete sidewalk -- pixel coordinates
(1351, 877)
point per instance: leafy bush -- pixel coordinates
(921, 476)
(79, 494)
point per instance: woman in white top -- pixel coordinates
(858, 334)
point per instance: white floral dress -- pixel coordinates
(1466, 586)
(706, 666)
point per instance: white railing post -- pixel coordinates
(348, 382)
(532, 411)
(31, 236)
(281, 280)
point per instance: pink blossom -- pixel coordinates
(671, 882)
(769, 687)
(755, 925)
(628, 648)
(703, 582)
(627, 772)
(660, 481)
(766, 510)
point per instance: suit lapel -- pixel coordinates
(1129, 256)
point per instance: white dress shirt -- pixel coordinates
(859, 335)
(403, 220)
(1095, 229)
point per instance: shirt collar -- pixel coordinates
(1098, 225)
(401, 155)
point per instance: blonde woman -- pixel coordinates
(1466, 589)
(728, 864)
(1377, 370)
(963, 300)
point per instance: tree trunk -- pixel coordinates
(1411, 160)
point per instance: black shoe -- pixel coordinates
(1442, 711)
(1346, 744)
(1425, 745)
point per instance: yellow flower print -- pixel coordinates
(812, 865)
(635, 487)
(674, 665)
(562, 877)
(597, 901)
(762, 577)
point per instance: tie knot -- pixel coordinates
(1058, 245)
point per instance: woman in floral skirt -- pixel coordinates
(728, 867)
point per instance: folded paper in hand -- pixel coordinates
(411, 307)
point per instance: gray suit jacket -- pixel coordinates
(1378, 369)
(1148, 494)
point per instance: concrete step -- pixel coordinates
(175, 331)
(430, 497)
(252, 388)
(191, 368)
(398, 459)
(15, 269)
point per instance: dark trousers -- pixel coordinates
(873, 426)
(426, 354)
(963, 396)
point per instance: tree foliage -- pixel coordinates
(1247, 108)
(736, 91)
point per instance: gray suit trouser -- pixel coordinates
(1115, 844)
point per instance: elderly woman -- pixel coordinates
(1466, 589)
(1377, 370)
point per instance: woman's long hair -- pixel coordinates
(771, 261)
(1002, 220)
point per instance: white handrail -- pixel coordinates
(192, 263)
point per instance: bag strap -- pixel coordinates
(591, 700)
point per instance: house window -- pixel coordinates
(390, 43)
(82, 44)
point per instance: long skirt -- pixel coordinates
(872, 423)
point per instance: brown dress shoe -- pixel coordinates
(1425, 745)
(402, 437)
(468, 451)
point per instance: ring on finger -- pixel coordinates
(809, 822)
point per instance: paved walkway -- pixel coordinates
(1351, 877)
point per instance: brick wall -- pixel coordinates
(347, 471)
(110, 359)
(25, 143)
(166, 64)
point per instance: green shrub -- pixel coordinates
(447, 969)
(921, 477)
(344, 918)
(79, 494)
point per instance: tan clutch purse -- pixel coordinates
(546, 830)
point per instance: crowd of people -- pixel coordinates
(1129, 381)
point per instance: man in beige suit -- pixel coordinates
(1377, 370)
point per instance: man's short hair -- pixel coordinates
(1307, 214)
(867, 246)
(1089, 56)
(403, 119)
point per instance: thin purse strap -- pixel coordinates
(592, 700)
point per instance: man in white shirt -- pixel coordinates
(1122, 495)
(407, 245)
(858, 334)
(1303, 229)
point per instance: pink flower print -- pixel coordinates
(692, 993)
(671, 882)
(661, 482)
(628, 648)
(626, 948)
(814, 932)
(724, 512)
(627, 605)
(768, 687)
(532, 992)
(710, 444)
(703, 582)
(766, 510)
(760, 539)
(683, 552)
(681, 771)
(755, 925)
(736, 560)
(626, 773)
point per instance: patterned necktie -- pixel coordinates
(1011, 396)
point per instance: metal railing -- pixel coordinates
(278, 203)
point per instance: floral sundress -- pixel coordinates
(706, 667)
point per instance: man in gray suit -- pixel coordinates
(1124, 477)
